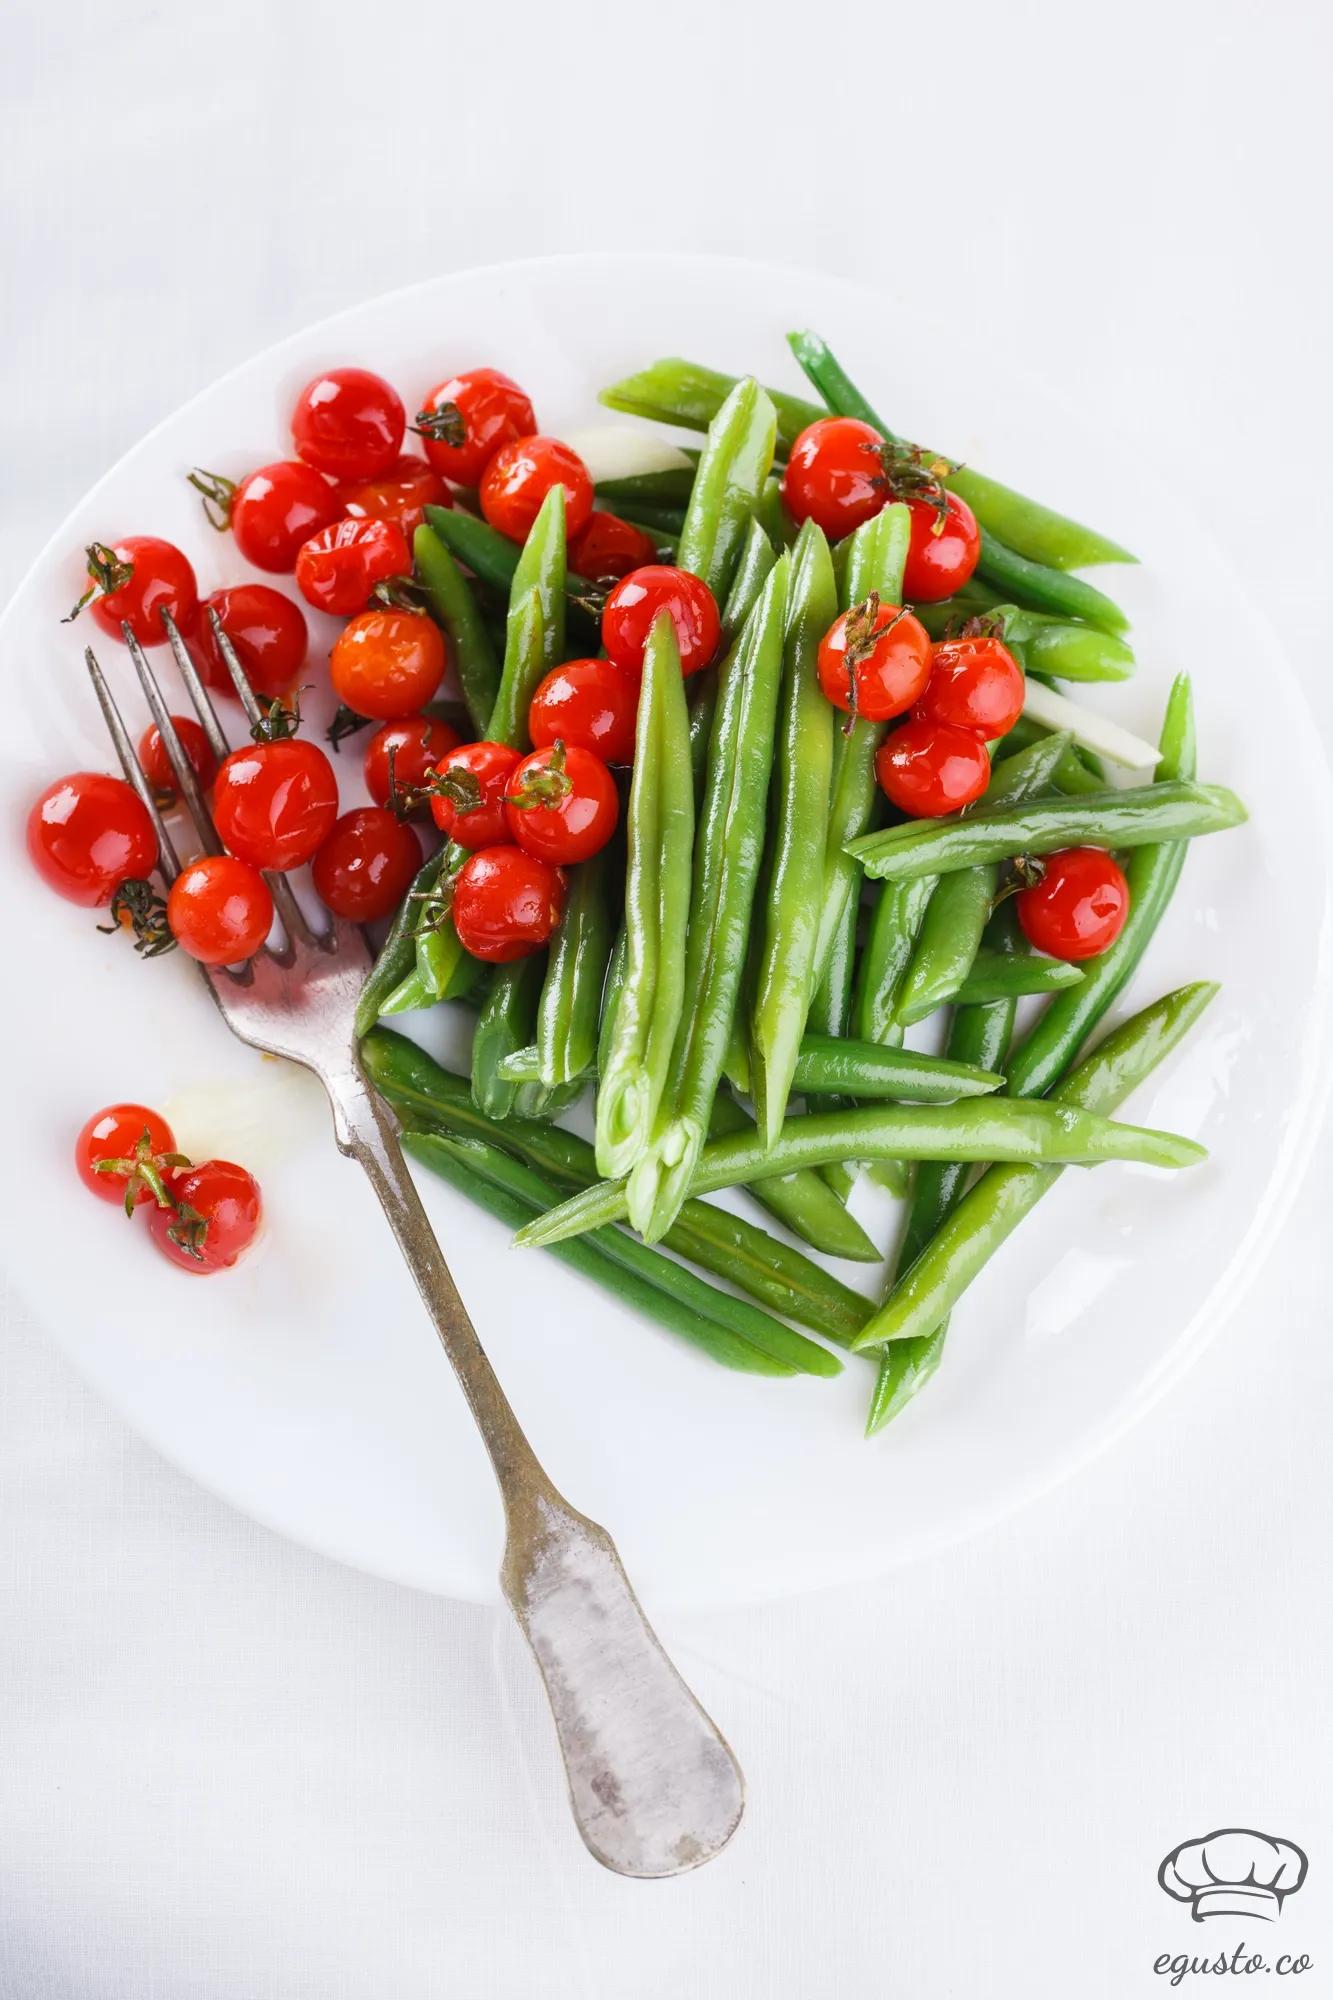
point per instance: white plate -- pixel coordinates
(306, 1386)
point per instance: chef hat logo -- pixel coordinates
(1233, 1873)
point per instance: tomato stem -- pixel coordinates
(107, 573)
(216, 494)
(145, 1169)
(346, 722)
(281, 719)
(909, 473)
(444, 423)
(137, 906)
(544, 786)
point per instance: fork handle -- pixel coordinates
(653, 1784)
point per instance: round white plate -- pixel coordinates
(307, 1387)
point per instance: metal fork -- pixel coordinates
(654, 1786)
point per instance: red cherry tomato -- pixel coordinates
(87, 834)
(929, 768)
(388, 663)
(588, 704)
(607, 546)
(366, 865)
(157, 765)
(276, 510)
(1078, 907)
(975, 684)
(634, 604)
(834, 476)
(136, 1140)
(268, 634)
(506, 903)
(217, 1216)
(337, 569)
(465, 420)
(889, 660)
(400, 495)
(562, 804)
(348, 423)
(415, 745)
(521, 475)
(469, 805)
(135, 581)
(220, 909)
(274, 803)
(943, 551)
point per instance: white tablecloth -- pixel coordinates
(230, 1770)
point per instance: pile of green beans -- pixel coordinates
(765, 928)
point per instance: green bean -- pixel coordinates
(615, 977)
(1060, 650)
(397, 955)
(1036, 531)
(977, 1034)
(507, 1021)
(571, 999)
(729, 478)
(829, 1063)
(683, 392)
(1135, 817)
(885, 956)
(830, 1014)
(998, 976)
(958, 911)
(1032, 1131)
(456, 1162)
(727, 854)
(756, 560)
(993, 1208)
(660, 837)
(535, 635)
(1042, 589)
(658, 520)
(769, 1270)
(801, 1200)
(724, 1309)
(490, 556)
(455, 608)
(1152, 873)
(667, 488)
(875, 557)
(785, 975)
(1071, 773)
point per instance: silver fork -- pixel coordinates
(654, 1786)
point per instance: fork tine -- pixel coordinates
(169, 865)
(198, 693)
(182, 768)
(284, 896)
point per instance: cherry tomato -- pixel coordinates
(562, 804)
(975, 684)
(634, 604)
(87, 834)
(834, 476)
(607, 546)
(929, 768)
(943, 551)
(386, 664)
(400, 495)
(1079, 905)
(337, 569)
(506, 903)
(521, 475)
(135, 581)
(588, 704)
(348, 423)
(268, 634)
(217, 1216)
(274, 803)
(138, 1141)
(276, 510)
(157, 765)
(887, 655)
(416, 745)
(473, 415)
(365, 867)
(469, 805)
(220, 909)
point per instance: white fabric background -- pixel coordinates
(232, 1771)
